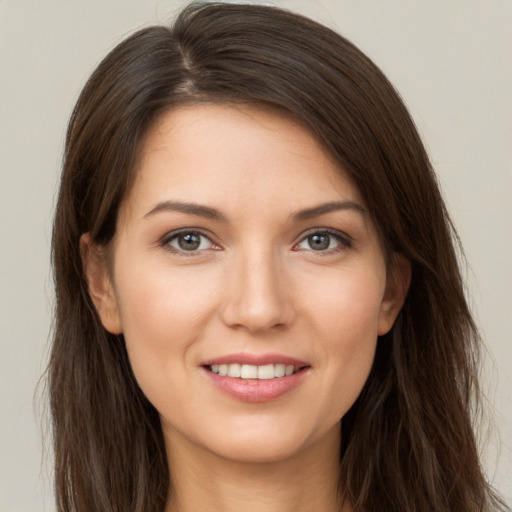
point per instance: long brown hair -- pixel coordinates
(408, 441)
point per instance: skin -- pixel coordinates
(256, 285)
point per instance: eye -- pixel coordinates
(188, 241)
(323, 241)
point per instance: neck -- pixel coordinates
(305, 482)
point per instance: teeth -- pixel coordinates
(249, 371)
(234, 370)
(266, 372)
(280, 370)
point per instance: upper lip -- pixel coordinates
(255, 359)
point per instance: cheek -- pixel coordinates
(346, 303)
(345, 316)
(162, 313)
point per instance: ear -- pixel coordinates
(100, 285)
(397, 285)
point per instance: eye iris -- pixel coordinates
(318, 241)
(189, 241)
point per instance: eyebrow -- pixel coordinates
(323, 209)
(189, 208)
(214, 214)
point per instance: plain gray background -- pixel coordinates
(451, 61)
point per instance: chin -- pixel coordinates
(263, 443)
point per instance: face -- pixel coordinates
(248, 281)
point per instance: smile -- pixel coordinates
(255, 378)
(249, 371)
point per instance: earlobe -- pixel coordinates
(397, 286)
(99, 284)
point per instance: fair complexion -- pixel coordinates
(243, 243)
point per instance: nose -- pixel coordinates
(257, 294)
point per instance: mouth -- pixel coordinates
(250, 371)
(251, 378)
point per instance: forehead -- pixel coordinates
(210, 152)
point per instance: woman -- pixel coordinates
(258, 299)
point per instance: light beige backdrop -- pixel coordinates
(451, 60)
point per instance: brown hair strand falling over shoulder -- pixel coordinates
(408, 441)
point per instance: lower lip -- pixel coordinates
(256, 390)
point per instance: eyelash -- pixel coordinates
(345, 242)
(166, 242)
